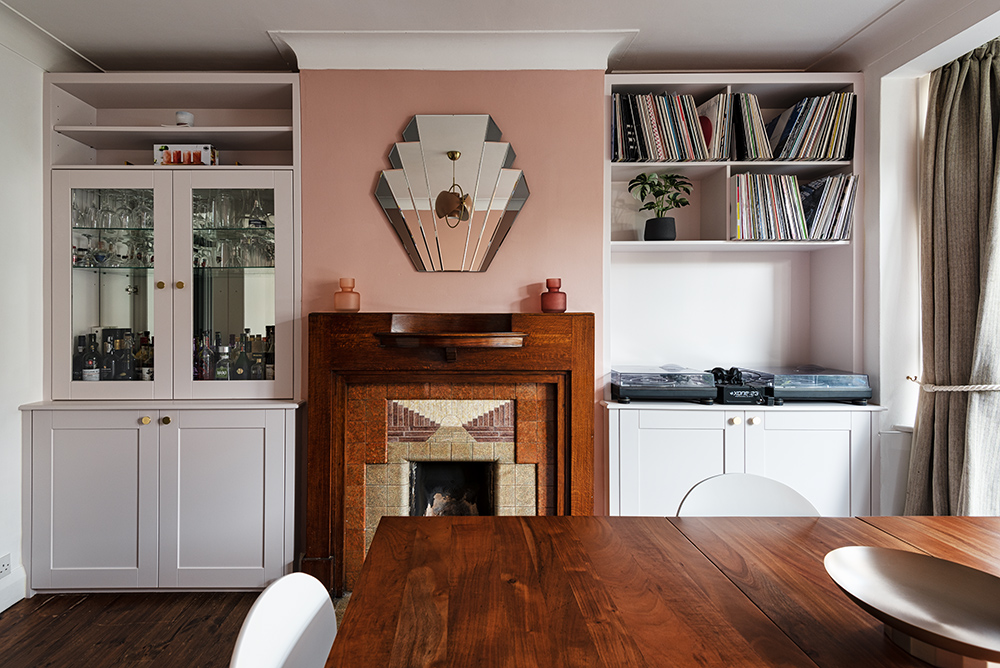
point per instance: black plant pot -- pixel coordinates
(660, 229)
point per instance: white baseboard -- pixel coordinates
(12, 588)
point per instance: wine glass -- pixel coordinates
(123, 210)
(142, 211)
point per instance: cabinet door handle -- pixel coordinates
(165, 419)
(754, 420)
(145, 419)
(180, 285)
(160, 285)
(735, 420)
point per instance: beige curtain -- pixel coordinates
(955, 462)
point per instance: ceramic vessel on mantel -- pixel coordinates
(553, 301)
(346, 299)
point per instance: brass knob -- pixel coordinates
(145, 419)
(754, 420)
(735, 420)
(165, 419)
(160, 285)
(180, 285)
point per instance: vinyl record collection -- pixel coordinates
(669, 127)
(731, 126)
(775, 207)
(657, 128)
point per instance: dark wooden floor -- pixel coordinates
(157, 630)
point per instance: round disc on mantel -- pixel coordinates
(933, 608)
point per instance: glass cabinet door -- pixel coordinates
(232, 251)
(110, 235)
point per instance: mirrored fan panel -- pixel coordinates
(452, 194)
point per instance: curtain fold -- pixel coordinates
(955, 460)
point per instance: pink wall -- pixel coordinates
(554, 121)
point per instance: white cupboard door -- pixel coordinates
(111, 250)
(665, 453)
(94, 499)
(812, 452)
(221, 497)
(234, 274)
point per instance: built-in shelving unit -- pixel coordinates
(104, 120)
(186, 478)
(707, 300)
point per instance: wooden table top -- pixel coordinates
(629, 591)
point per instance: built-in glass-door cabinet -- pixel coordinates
(172, 284)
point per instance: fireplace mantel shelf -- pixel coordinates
(451, 341)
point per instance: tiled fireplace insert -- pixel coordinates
(504, 400)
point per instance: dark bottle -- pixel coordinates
(81, 350)
(91, 360)
(205, 361)
(108, 361)
(144, 359)
(241, 365)
(124, 359)
(269, 353)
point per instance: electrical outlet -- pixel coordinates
(4, 566)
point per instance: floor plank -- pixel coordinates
(150, 630)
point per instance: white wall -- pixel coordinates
(25, 54)
(21, 295)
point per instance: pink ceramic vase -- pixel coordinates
(346, 299)
(553, 301)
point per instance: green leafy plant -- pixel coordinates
(666, 190)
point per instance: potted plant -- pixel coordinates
(665, 192)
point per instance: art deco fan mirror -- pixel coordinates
(452, 193)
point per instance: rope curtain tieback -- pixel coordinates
(927, 387)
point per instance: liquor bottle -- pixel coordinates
(269, 353)
(241, 365)
(91, 360)
(81, 350)
(108, 361)
(144, 360)
(124, 359)
(222, 364)
(139, 352)
(205, 362)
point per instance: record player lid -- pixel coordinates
(805, 376)
(668, 375)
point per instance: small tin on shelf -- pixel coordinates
(185, 154)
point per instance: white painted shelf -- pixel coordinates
(100, 137)
(721, 246)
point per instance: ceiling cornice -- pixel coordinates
(451, 50)
(37, 46)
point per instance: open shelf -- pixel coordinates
(142, 138)
(717, 246)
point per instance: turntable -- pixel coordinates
(809, 382)
(662, 383)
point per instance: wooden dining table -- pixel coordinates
(630, 591)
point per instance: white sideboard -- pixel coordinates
(658, 451)
(143, 495)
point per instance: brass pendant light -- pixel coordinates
(453, 203)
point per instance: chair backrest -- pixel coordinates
(744, 495)
(292, 624)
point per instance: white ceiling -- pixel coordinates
(118, 35)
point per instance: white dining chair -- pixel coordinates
(744, 495)
(292, 624)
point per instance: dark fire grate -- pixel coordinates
(452, 488)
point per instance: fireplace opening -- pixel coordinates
(452, 488)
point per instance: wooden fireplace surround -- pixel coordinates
(346, 349)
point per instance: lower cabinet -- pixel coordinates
(144, 498)
(657, 452)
